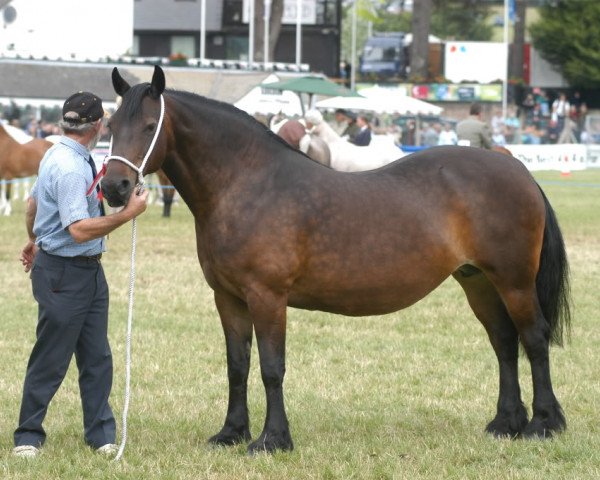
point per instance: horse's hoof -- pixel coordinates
(228, 437)
(269, 444)
(541, 427)
(508, 425)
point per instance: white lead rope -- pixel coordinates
(140, 172)
(128, 343)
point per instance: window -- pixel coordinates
(233, 12)
(327, 12)
(184, 44)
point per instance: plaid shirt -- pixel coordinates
(59, 191)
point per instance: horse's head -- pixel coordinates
(135, 129)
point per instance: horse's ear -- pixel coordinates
(119, 84)
(157, 86)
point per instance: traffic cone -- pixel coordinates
(565, 169)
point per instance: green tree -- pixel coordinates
(367, 17)
(393, 22)
(567, 36)
(461, 20)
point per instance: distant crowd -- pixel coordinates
(39, 128)
(536, 120)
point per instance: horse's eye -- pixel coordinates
(150, 128)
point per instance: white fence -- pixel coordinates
(562, 157)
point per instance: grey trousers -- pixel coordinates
(72, 296)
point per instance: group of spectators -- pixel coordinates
(559, 121)
(537, 121)
(35, 128)
(41, 128)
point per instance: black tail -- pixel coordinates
(552, 282)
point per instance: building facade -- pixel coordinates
(166, 28)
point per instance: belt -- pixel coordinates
(90, 259)
(78, 258)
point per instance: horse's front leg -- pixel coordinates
(26, 189)
(268, 312)
(2, 194)
(237, 327)
(7, 205)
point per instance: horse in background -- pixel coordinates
(347, 157)
(167, 192)
(18, 160)
(294, 132)
(501, 149)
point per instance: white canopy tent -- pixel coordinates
(382, 100)
(261, 100)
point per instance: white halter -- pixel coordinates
(140, 169)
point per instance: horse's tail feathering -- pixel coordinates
(552, 280)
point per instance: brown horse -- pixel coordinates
(294, 132)
(501, 149)
(19, 160)
(275, 230)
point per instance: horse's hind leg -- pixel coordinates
(237, 328)
(534, 333)
(511, 415)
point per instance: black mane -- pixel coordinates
(137, 93)
(233, 110)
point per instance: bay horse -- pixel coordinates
(274, 230)
(294, 132)
(19, 160)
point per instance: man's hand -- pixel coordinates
(28, 254)
(137, 203)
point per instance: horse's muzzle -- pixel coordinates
(117, 191)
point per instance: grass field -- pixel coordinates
(402, 396)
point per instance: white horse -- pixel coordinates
(346, 156)
(294, 132)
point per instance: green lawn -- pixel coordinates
(402, 396)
